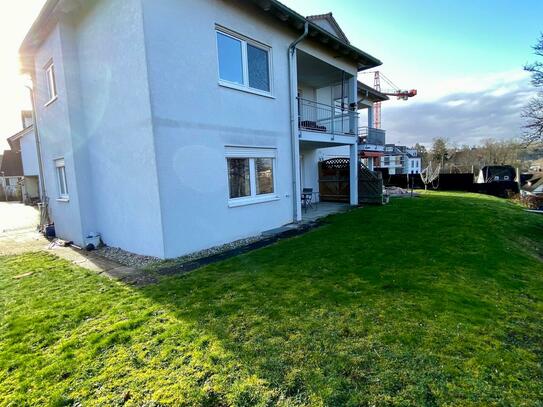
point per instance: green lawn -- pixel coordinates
(425, 302)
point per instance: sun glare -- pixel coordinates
(15, 20)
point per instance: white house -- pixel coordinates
(401, 160)
(24, 143)
(169, 126)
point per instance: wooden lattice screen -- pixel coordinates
(334, 185)
(334, 182)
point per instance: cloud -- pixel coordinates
(465, 117)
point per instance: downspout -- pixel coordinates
(43, 194)
(293, 118)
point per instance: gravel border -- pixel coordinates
(142, 262)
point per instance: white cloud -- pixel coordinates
(468, 110)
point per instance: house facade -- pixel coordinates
(172, 126)
(401, 160)
(23, 143)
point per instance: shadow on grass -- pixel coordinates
(392, 301)
(426, 301)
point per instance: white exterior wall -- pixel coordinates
(29, 155)
(107, 145)
(195, 119)
(117, 117)
(56, 136)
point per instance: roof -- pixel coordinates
(12, 164)
(328, 17)
(372, 94)
(277, 10)
(20, 134)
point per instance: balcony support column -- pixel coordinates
(370, 116)
(353, 103)
(353, 167)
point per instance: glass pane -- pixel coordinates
(264, 176)
(63, 188)
(230, 59)
(259, 75)
(239, 177)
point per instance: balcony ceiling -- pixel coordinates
(316, 73)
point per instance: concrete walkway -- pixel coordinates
(18, 235)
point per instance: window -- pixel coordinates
(51, 82)
(250, 175)
(243, 63)
(61, 179)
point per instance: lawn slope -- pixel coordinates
(429, 301)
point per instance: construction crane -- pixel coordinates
(392, 90)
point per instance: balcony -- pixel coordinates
(371, 141)
(322, 118)
(371, 135)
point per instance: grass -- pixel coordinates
(436, 301)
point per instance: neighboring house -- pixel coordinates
(371, 141)
(496, 173)
(401, 160)
(24, 143)
(171, 126)
(11, 176)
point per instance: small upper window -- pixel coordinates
(61, 179)
(51, 82)
(243, 63)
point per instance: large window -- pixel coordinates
(243, 63)
(51, 82)
(61, 179)
(250, 175)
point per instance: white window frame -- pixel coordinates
(51, 82)
(63, 197)
(252, 154)
(245, 64)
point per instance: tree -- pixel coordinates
(440, 153)
(422, 153)
(533, 112)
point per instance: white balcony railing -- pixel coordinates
(319, 117)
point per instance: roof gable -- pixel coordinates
(329, 23)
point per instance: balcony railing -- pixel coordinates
(318, 117)
(371, 135)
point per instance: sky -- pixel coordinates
(464, 57)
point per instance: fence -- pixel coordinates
(453, 182)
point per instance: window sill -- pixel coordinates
(234, 203)
(245, 89)
(63, 199)
(51, 101)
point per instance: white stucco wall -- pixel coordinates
(29, 154)
(107, 144)
(56, 137)
(117, 117)
(195, 118)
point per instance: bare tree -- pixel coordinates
(533, 112)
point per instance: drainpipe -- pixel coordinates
(43, 195)
(293, 91)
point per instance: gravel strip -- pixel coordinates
(140, 262)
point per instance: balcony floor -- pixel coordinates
(323, 209)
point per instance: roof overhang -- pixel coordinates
(368, 93)
(292, 19)
(19, 135)
(53, 8)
